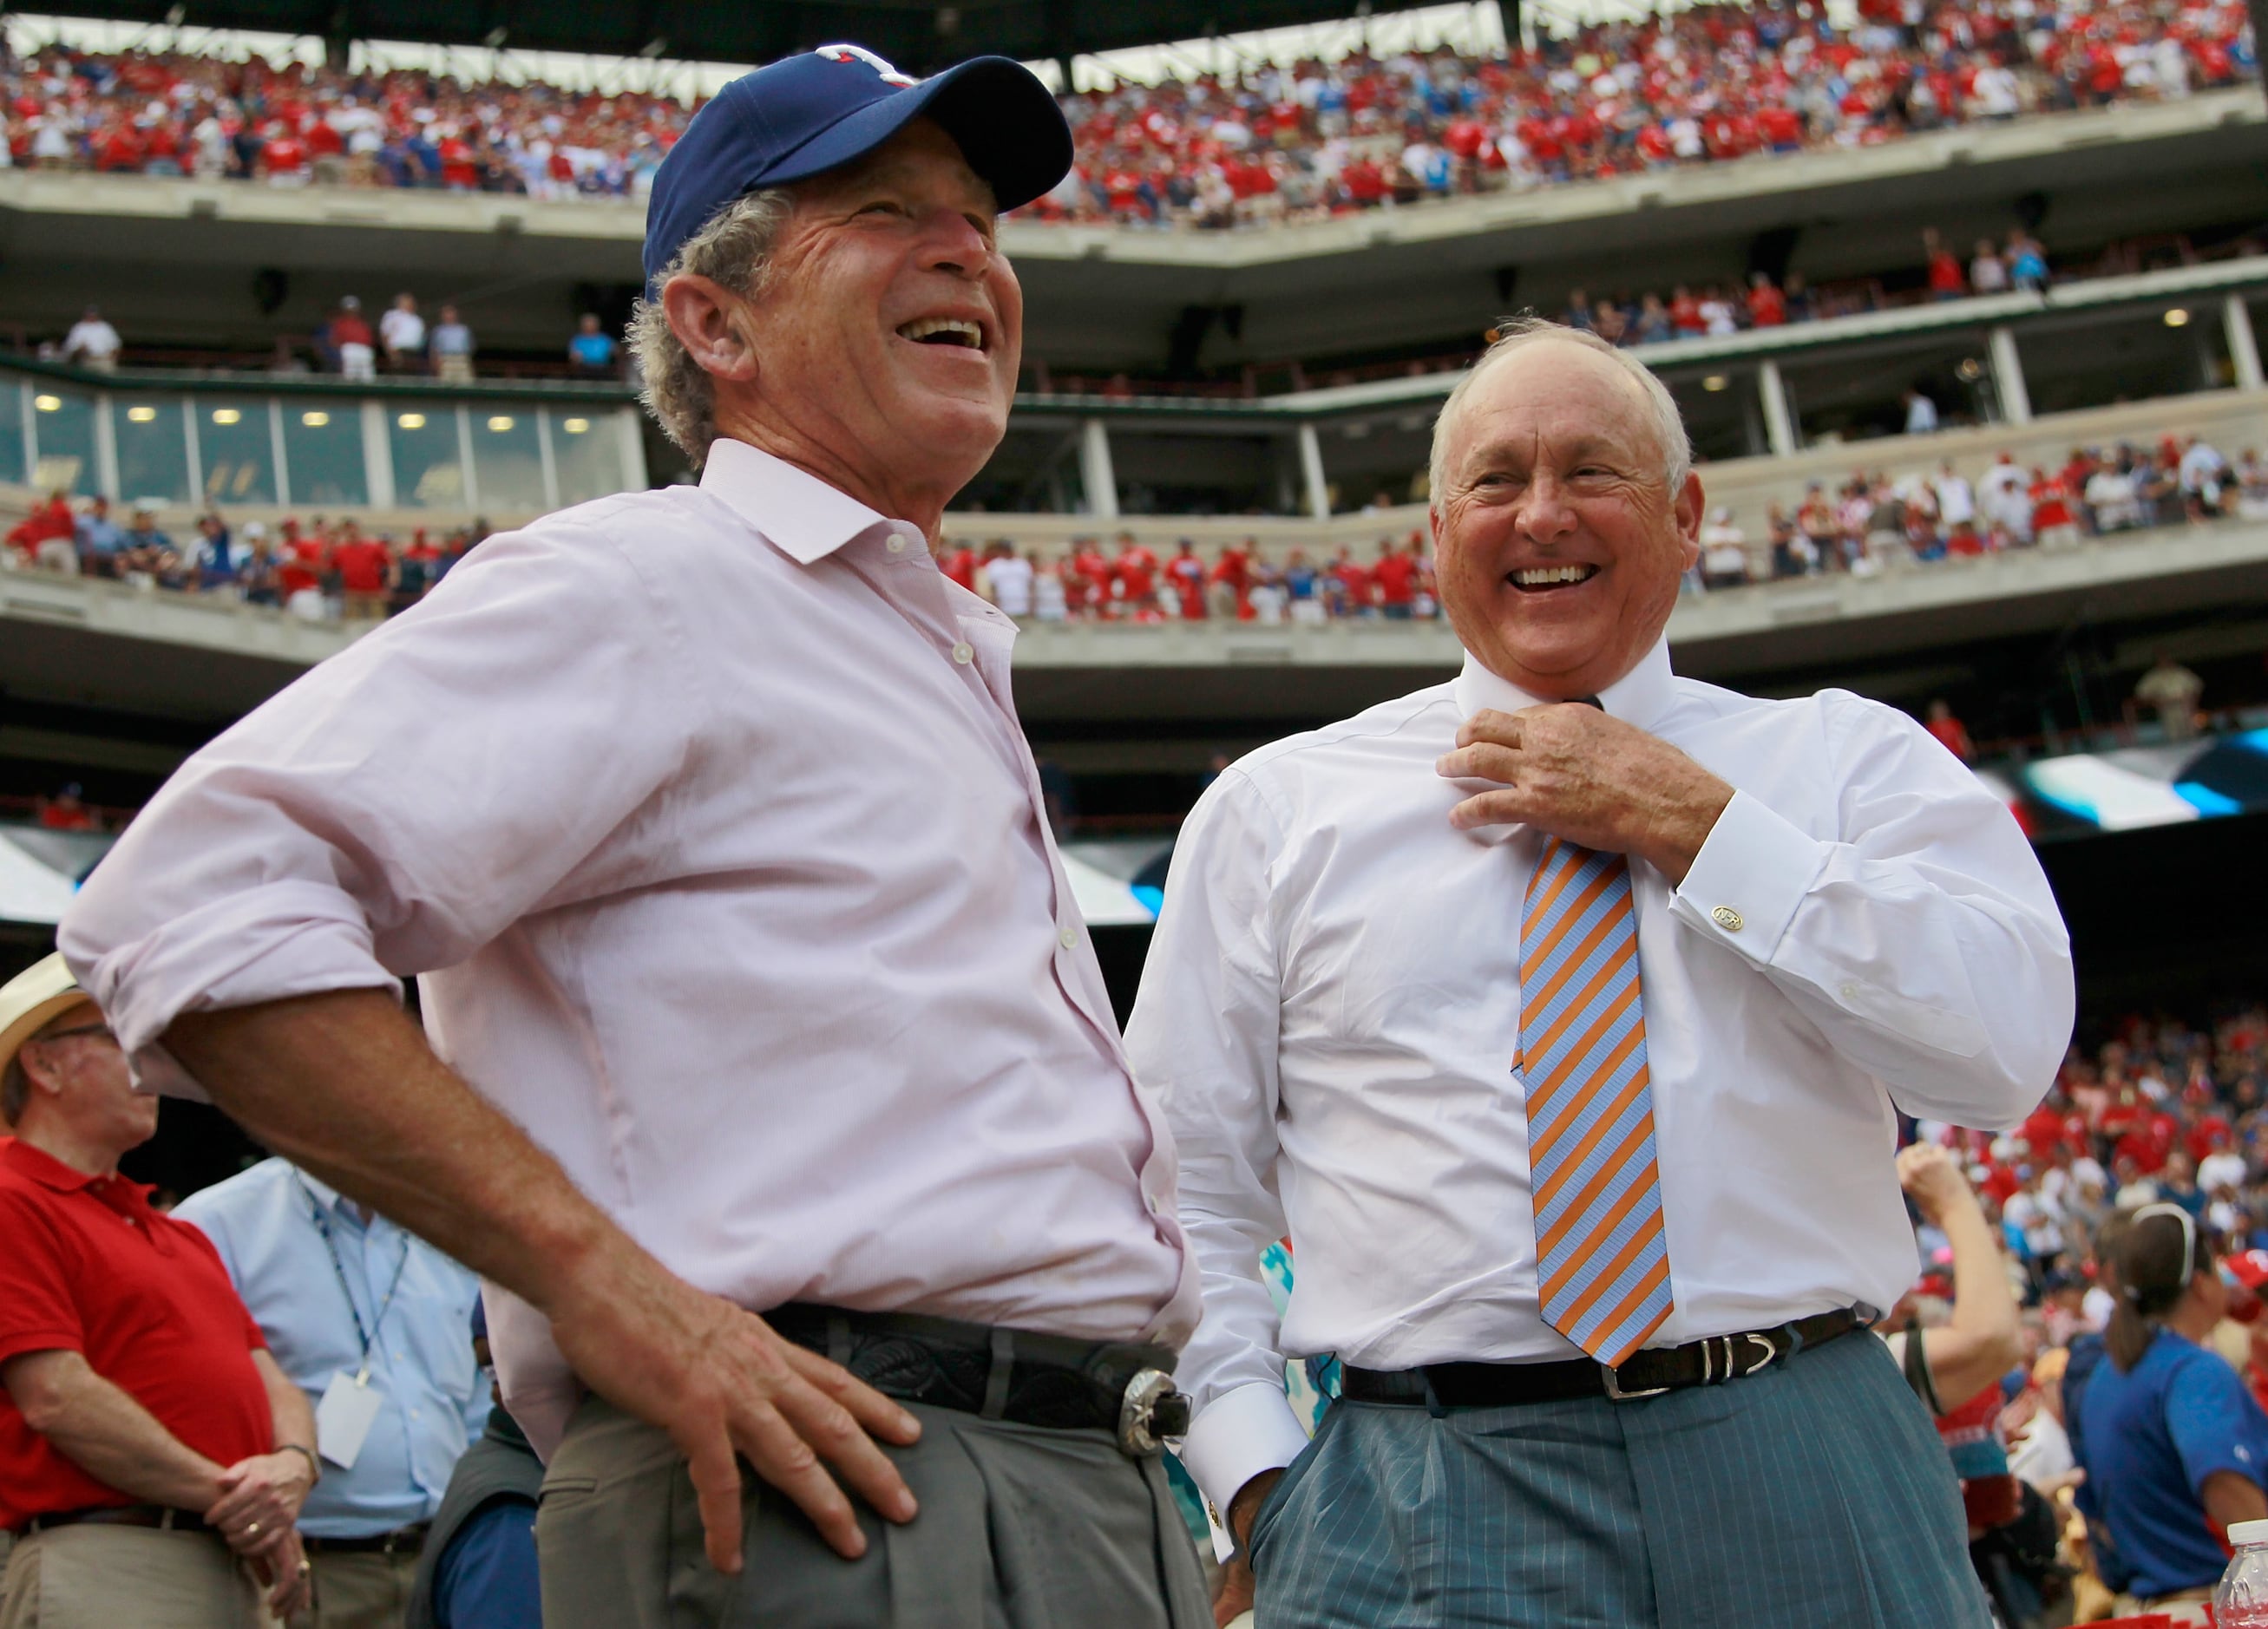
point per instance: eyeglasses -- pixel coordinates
(2188, 1234)
(103, 1030)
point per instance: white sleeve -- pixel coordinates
(1922, 939)
(1203, 1036)
(402, 804)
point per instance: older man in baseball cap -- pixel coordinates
(768, 1072)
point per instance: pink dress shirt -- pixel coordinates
(705, 819)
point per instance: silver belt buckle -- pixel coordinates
(1615, 1391)
(1139, 1433)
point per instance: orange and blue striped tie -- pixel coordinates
(1603, 1263)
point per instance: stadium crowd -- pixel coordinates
(1705, 85)
(337, 568)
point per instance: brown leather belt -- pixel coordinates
(400, 1541)
(1646, 1374)
(161, 1517)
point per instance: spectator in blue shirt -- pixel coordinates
(100, 538)
(2174, 1446)
(591, 350)
(371, 1322)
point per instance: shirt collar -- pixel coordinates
(45, 1170)
(1641, 696)
(803, 517)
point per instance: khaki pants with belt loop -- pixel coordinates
(93, 1576)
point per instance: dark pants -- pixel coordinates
(1813, 1496)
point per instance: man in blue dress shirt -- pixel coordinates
(371, 1322)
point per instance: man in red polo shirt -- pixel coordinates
(153, 1457)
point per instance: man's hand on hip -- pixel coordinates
(722, 1383)
(1577, 773)
(1233, 1597)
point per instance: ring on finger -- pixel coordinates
(252, 1530)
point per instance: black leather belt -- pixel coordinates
(1017, 1375)
(401, 1541)
(1646, 1374)
(162, 1516)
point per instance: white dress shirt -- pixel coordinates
(705, 816)
(1332, 1002)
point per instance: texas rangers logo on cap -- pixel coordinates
(859, 53)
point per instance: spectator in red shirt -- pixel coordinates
(1947, 281)
(1136, 573)
(1951, 733)
(365, 568)
(1186, 573)
(1767, 305)
(151, 1450)
(1396, 578)
(349, 337)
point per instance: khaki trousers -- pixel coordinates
(358, 1591)
(97, 1577)
(1021, 1527)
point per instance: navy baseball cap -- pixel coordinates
(809, 113)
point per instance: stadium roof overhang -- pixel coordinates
(920, 36)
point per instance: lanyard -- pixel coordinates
(368, 1337)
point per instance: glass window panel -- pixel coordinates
(153, 458)
(64, 423)
(322, 451)
(587, 448)
(11, 429)
(507, 457)
(238, 450)
(427, 471)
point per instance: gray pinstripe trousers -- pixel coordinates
(1814, 1495)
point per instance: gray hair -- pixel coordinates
(1516, 333)
(733, 248)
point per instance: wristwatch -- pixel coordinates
(314, 1465)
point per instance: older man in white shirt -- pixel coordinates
(753, 982)
(1560, 1015)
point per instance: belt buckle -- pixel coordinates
(1149, 1411)
(1615, 1391)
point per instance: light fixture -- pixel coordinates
(226, 415)
(2177, 318)
(411, 420)
(314, 421)
(1715, 381)
(47, 404)
(500, 424)
(140, 415)
(1970, 370)
(575, 427)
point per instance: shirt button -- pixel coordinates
(896, 544)
(1726, 918)
(1850, 992)
(1069, 936)
(964, 653)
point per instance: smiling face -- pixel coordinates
(887, 334)
(1558, 544)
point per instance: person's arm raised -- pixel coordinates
(344, 1085)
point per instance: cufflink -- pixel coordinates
(1726, 918)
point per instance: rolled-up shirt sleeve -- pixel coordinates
(1202, 1035)
(398, 806)
(1922, 938)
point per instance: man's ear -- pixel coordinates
(701, 312)
(1688, 511)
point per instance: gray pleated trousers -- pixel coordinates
(1021, 1527)
(1814, 1495)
